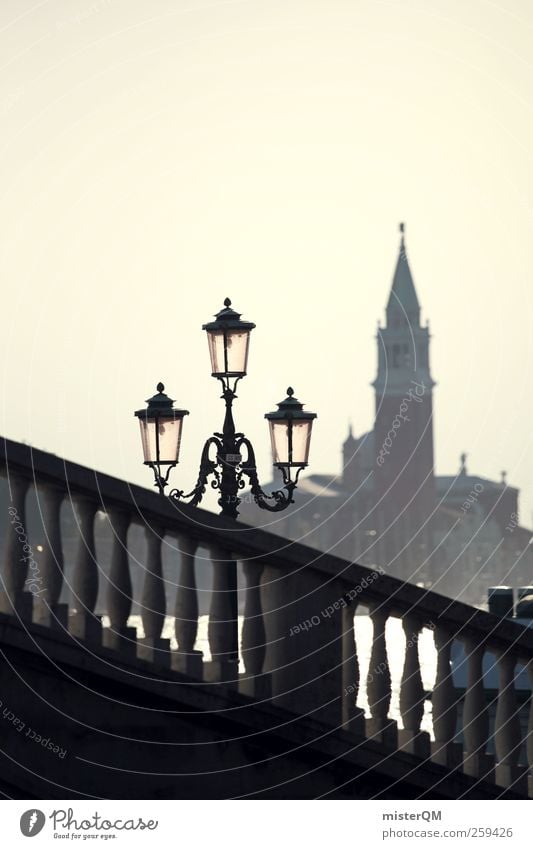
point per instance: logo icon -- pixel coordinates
(32, 822)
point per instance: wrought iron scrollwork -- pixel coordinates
(280, 498)
(229, 471)
(161, 480)
(246, 468)
(208, 467)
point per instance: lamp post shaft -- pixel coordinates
(229, 460)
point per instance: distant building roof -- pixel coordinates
(323, 485)
(467, 482)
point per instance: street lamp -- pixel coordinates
(290, 430)
(161, 426)
(228, 338)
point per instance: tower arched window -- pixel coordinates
(396, 350)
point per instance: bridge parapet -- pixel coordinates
(298, 647)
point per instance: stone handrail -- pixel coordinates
(298, 642)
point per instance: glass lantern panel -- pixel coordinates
(235, 350)
(169, 434)
(279, 437)
(301, 439)
(216, 351)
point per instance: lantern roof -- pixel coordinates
(290, 408)
(228, 319)
(160, 405)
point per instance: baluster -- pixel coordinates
(84, 623)
(47, 610)
(119, 592)
(507, 731)
(411, 738)
(186, 659)
(352, 716)
(153, 647)
(444, 704)
(530, 732)
(278, 619)
(379, 726)
(18, 556)
(303, 622)
(475, 715)
(222, 630)
(255, 682)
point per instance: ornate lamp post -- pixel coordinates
(222, 455)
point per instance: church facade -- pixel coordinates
(457, 534)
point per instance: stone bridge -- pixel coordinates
(92, 708)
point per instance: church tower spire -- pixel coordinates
(404, 488)
(403, 306)
(403, 344)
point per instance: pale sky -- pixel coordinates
(159, 156)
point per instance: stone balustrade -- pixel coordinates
(298, 646)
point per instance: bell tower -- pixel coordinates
(404, 483)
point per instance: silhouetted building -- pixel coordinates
(456, 533)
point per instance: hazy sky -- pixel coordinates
(159, 156)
